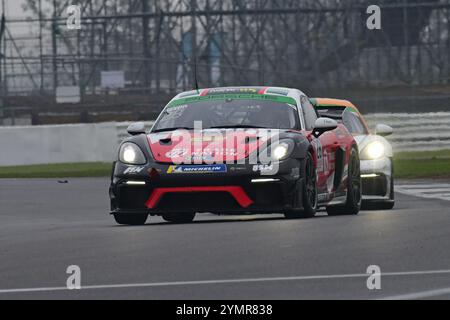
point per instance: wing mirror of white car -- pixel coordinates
(323, 125)
(383, 130)
(136, 128)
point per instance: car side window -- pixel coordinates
(309, 113)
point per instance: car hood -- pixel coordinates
(209, 145)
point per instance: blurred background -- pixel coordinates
(131, 56)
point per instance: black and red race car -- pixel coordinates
(236, 150)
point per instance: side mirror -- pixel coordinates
(383, 130)
(136, 128)
(323, 125)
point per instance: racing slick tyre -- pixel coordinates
(179, 217)
(354, 194)
(309, 191)
(135, 219)
(388, 205)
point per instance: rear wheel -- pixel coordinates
(132, 219)
(179, 217)
(354, 195)
(309, 191)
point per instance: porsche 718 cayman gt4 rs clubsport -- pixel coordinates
(236, 150)
(375, 151)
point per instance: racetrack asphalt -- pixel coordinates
(47, 226)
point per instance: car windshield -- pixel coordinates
(344, 115)
(353, 123)
(229, 113)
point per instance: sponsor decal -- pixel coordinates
(295, 172)
(206, 154)
(323, 197)
(317, 145)
(233, 96)
(281, 91)
(232, 90)
(200, 158)
(262, 167)
(176, 153)
(215, 168)
(133, 170)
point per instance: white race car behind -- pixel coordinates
(377, 166)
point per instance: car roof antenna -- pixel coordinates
(195, 74)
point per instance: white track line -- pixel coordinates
(223, 281)
(419, 186)
(431, 190)
(428, 191)
(420, 295)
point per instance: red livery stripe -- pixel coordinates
(262, 90)
(237, 192)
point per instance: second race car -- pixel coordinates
(377, 166)
(236, 150)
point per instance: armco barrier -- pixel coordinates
(415, 131)
(99, 141)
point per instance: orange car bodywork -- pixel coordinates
(331, 102)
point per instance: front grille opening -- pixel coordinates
(266, 194)
(198, 201)
(376, 186)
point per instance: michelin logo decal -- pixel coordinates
(198, 168)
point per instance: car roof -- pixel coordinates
(331, 102)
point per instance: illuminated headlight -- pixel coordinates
(282, 150)
(130, 153)
(374, 150)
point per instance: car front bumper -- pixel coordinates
(376, 178)
(155, 190)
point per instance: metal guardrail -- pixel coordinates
(412, 131)
(415, 131)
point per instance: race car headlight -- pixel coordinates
(130, 153)
(282, 150)
(375, 150)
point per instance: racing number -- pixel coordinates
(317, 145)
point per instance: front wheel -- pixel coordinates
(131, 219)
(309, 191)
(354, 194)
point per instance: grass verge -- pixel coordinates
(63, 170)
(435, 164)
(425, 164)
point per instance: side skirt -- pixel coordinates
(329, 199)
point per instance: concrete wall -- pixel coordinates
(58, 143)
